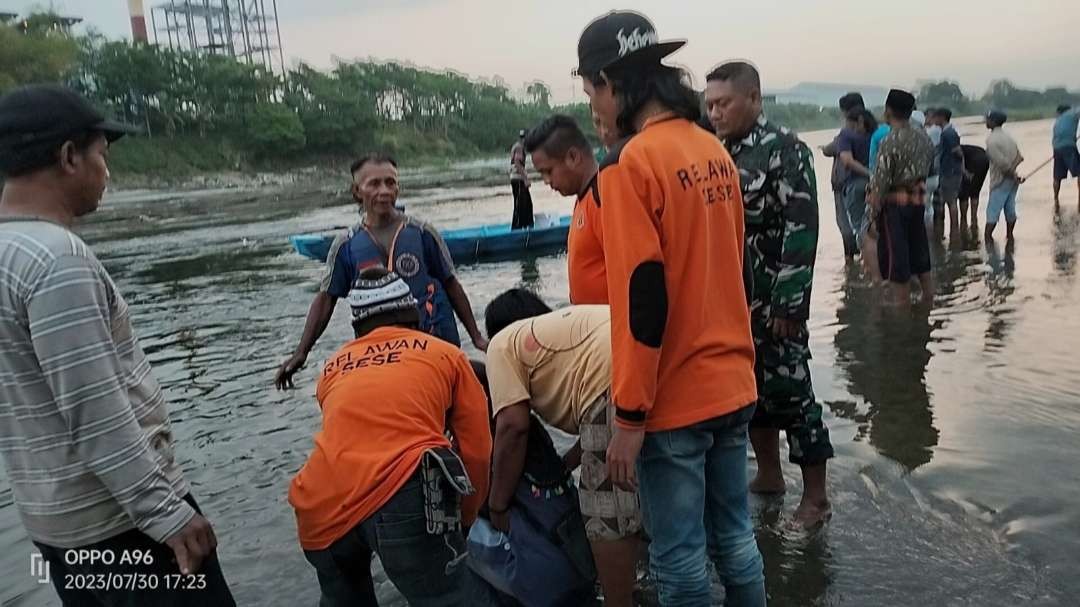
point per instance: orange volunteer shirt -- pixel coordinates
(585, 251)
(386, 398)
(672, 213)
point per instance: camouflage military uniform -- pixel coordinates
(780, 196)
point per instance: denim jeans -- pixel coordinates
(428, 570)
(855, 203)
(843, 222)
(1002, 198)
(693, 485)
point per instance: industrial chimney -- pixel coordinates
(138, 21)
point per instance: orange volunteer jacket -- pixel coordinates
(672, 215)
(386, 398)
(585, 250)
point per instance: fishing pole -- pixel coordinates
(1043, 165)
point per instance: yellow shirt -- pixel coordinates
(560, 362)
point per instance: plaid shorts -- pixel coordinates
(610, 513)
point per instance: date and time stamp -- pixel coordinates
(126, 578)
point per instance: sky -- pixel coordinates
(1034, 43)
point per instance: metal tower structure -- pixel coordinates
(243, 29)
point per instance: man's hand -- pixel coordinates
(283, 379)
(783, 328)
(622, 454)
(480, 342)
(500, 521)
(192, 544)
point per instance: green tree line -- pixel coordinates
(205, 112)
(1002, 94)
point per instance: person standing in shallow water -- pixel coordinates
(85, 433)
(682, 352)
(897, 196)
(852, 150)
(847, 103)
(519, 185)
(1005, 158)
(389, 238)
(854, 142)
(1066, 154)
(779, 191)
(951, 163)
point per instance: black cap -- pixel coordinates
(998, 117)
(620, 36)
(851, 101)
(901, 101)
(43, 113)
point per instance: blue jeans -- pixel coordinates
(1002, 198)
(844, 223)
(693, 486)
(855, 203)
(428, 570)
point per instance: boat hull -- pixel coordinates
(467, 245)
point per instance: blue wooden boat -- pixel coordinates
(467, 245)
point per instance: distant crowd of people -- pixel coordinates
(892, 239)
(691, 256)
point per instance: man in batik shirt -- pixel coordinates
(898, 197)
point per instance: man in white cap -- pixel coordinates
(383, 477)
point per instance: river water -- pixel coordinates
(955, 481)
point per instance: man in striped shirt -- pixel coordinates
(84, 430)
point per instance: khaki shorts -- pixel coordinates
(610, 513)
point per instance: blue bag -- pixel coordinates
(545, 560)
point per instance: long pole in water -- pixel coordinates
(1043, 165)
